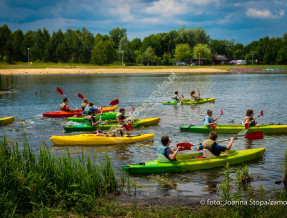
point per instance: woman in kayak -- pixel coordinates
(194, 96)
(211, 145)
(209, 121)
(84, 103)
(176, 97)
(249, 119)
(165, 150)
(64, 106)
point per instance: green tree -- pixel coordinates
(5, 35)
(117, 34)
(204, 51)
(19, 50)
(98, 53)
(182, 51)
(148, 57)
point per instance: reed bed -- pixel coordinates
(30, 179)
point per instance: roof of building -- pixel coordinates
(220, 57)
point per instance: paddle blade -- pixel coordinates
(114, 102)
(221, 112)
(247, 125)
(213, 126)
(60, 91)
(133, 108)
(129, 127)
(261, 113)
(254, 135)
(101, 108)
(80, 96)
(184, 146)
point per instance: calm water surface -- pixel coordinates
(234, 94)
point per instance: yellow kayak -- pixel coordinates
(6, 120)
(92, 139)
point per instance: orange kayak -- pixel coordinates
(78, 113)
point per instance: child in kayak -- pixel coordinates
(176, 97)
(165, 150)
(211, 145)
(121, 128)
(209, 121)
(89, 117)
(249, 119)
(90, 107)
(64, 106)
(194, 96)
(84, 103)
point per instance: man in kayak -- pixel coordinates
(209, 121)
(64, 106)
(176, 97)
(165, 150)
(211, 145)
(249, 119)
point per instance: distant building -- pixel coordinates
(195, 61)
(219, 59)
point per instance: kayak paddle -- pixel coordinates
(80, 96)
(256, 135)
(62, 93)
(114, 102)
(214, 124)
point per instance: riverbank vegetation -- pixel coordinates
(83, 47)
(40, 184)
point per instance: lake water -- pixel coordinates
(234, 94)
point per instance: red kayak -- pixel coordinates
(57, 114)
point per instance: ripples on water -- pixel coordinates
(234, 94)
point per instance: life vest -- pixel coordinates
(64, 107)
(175, 97)
(211, 119)
(208, 144)
(86, 110)
(253, 122)
(83, 105)
(161, 149)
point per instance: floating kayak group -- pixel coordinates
(108, 120)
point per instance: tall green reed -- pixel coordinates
(29, 178)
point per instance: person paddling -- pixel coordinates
(194, 96)
(211, 145)
(209, 121)
(84, 103)
(249, 119)
(164, 149)
(121, 130)
(176, 97)
(64, 106)
(90, 107)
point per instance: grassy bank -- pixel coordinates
(119, 66)
(38, 184)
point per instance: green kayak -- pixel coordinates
(234, 129)
(112, 125)
(199, 101)
(195, 161)
(173, 102)
(105, 116)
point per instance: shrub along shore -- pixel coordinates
(39, 184)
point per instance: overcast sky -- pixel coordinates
(241, 20)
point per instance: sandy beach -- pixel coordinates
(51, 71)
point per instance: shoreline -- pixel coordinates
(55, 71)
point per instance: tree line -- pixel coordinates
(81, 46)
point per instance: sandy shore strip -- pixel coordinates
(51, 71)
